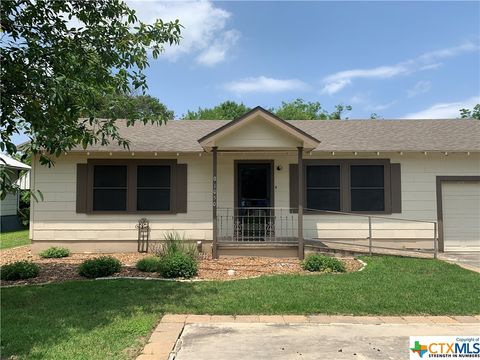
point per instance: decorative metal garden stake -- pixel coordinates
(143, 227)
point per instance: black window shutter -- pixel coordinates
(293, 173)
(81, 203)
(181, 188)
(396, 187)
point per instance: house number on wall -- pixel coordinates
(214, 194)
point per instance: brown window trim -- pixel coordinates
(131, 184)
(345, 194)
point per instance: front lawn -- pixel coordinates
(112, 319)
(14, 239)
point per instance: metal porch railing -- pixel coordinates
(257, 224)
(334, 230)
(368, 226)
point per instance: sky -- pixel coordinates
(396, 59)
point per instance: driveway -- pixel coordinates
(470, 261)
(243, 341)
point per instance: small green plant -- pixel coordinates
(175, 243)
(177, 264)
(319, 262)
(19, 270)
(99, 267)
(148, 264)
(55, 252)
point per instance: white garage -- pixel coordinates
(460, 215)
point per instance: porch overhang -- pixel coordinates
(260, 130)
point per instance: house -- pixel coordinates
(9, 219)
(260, 185)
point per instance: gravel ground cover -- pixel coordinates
(63, 269)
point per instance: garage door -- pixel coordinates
(461, 216)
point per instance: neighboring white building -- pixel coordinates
(9, 219)
(242, 179)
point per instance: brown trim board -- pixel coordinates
(439, 181)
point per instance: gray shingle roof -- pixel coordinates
(335, 135)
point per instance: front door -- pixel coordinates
(254, 216)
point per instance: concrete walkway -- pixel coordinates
(185, 337)
(470, 261)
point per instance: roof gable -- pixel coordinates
(281, 134)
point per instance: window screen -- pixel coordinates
(109, 188)
(153, 188)
(323, 187)
(367, 186)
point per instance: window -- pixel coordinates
(357, 185)
(131, 186)
(367, 187)
(110, 188)
(153, 188)
(323, 187)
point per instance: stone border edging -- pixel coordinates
(163, 344)
(364, 264)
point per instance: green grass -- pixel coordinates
(14, 239)
(111, 319)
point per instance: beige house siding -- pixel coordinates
(8, 206)
(258, 135)
(54, 220)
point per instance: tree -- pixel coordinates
(298, 109)
(124, 106)
(471, 114)
(295, 110)
(58, 58)
(228, 110)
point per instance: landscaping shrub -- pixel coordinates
(148, 264)
(177, 264)
(19, 270)
(99, 267)
(319, 262)
(174, 243)
(55, 252)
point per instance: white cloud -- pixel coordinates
(217, 52)
(444, 110)
(427, 61)
(364, 100)
(421, 87)
(205, 33)
(265, 85)
(380, 107)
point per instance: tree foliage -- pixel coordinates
(297, 109)
(59, 58)
(228, 110)
(125, 106)
(471, 113)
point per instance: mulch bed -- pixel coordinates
(64, 269)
